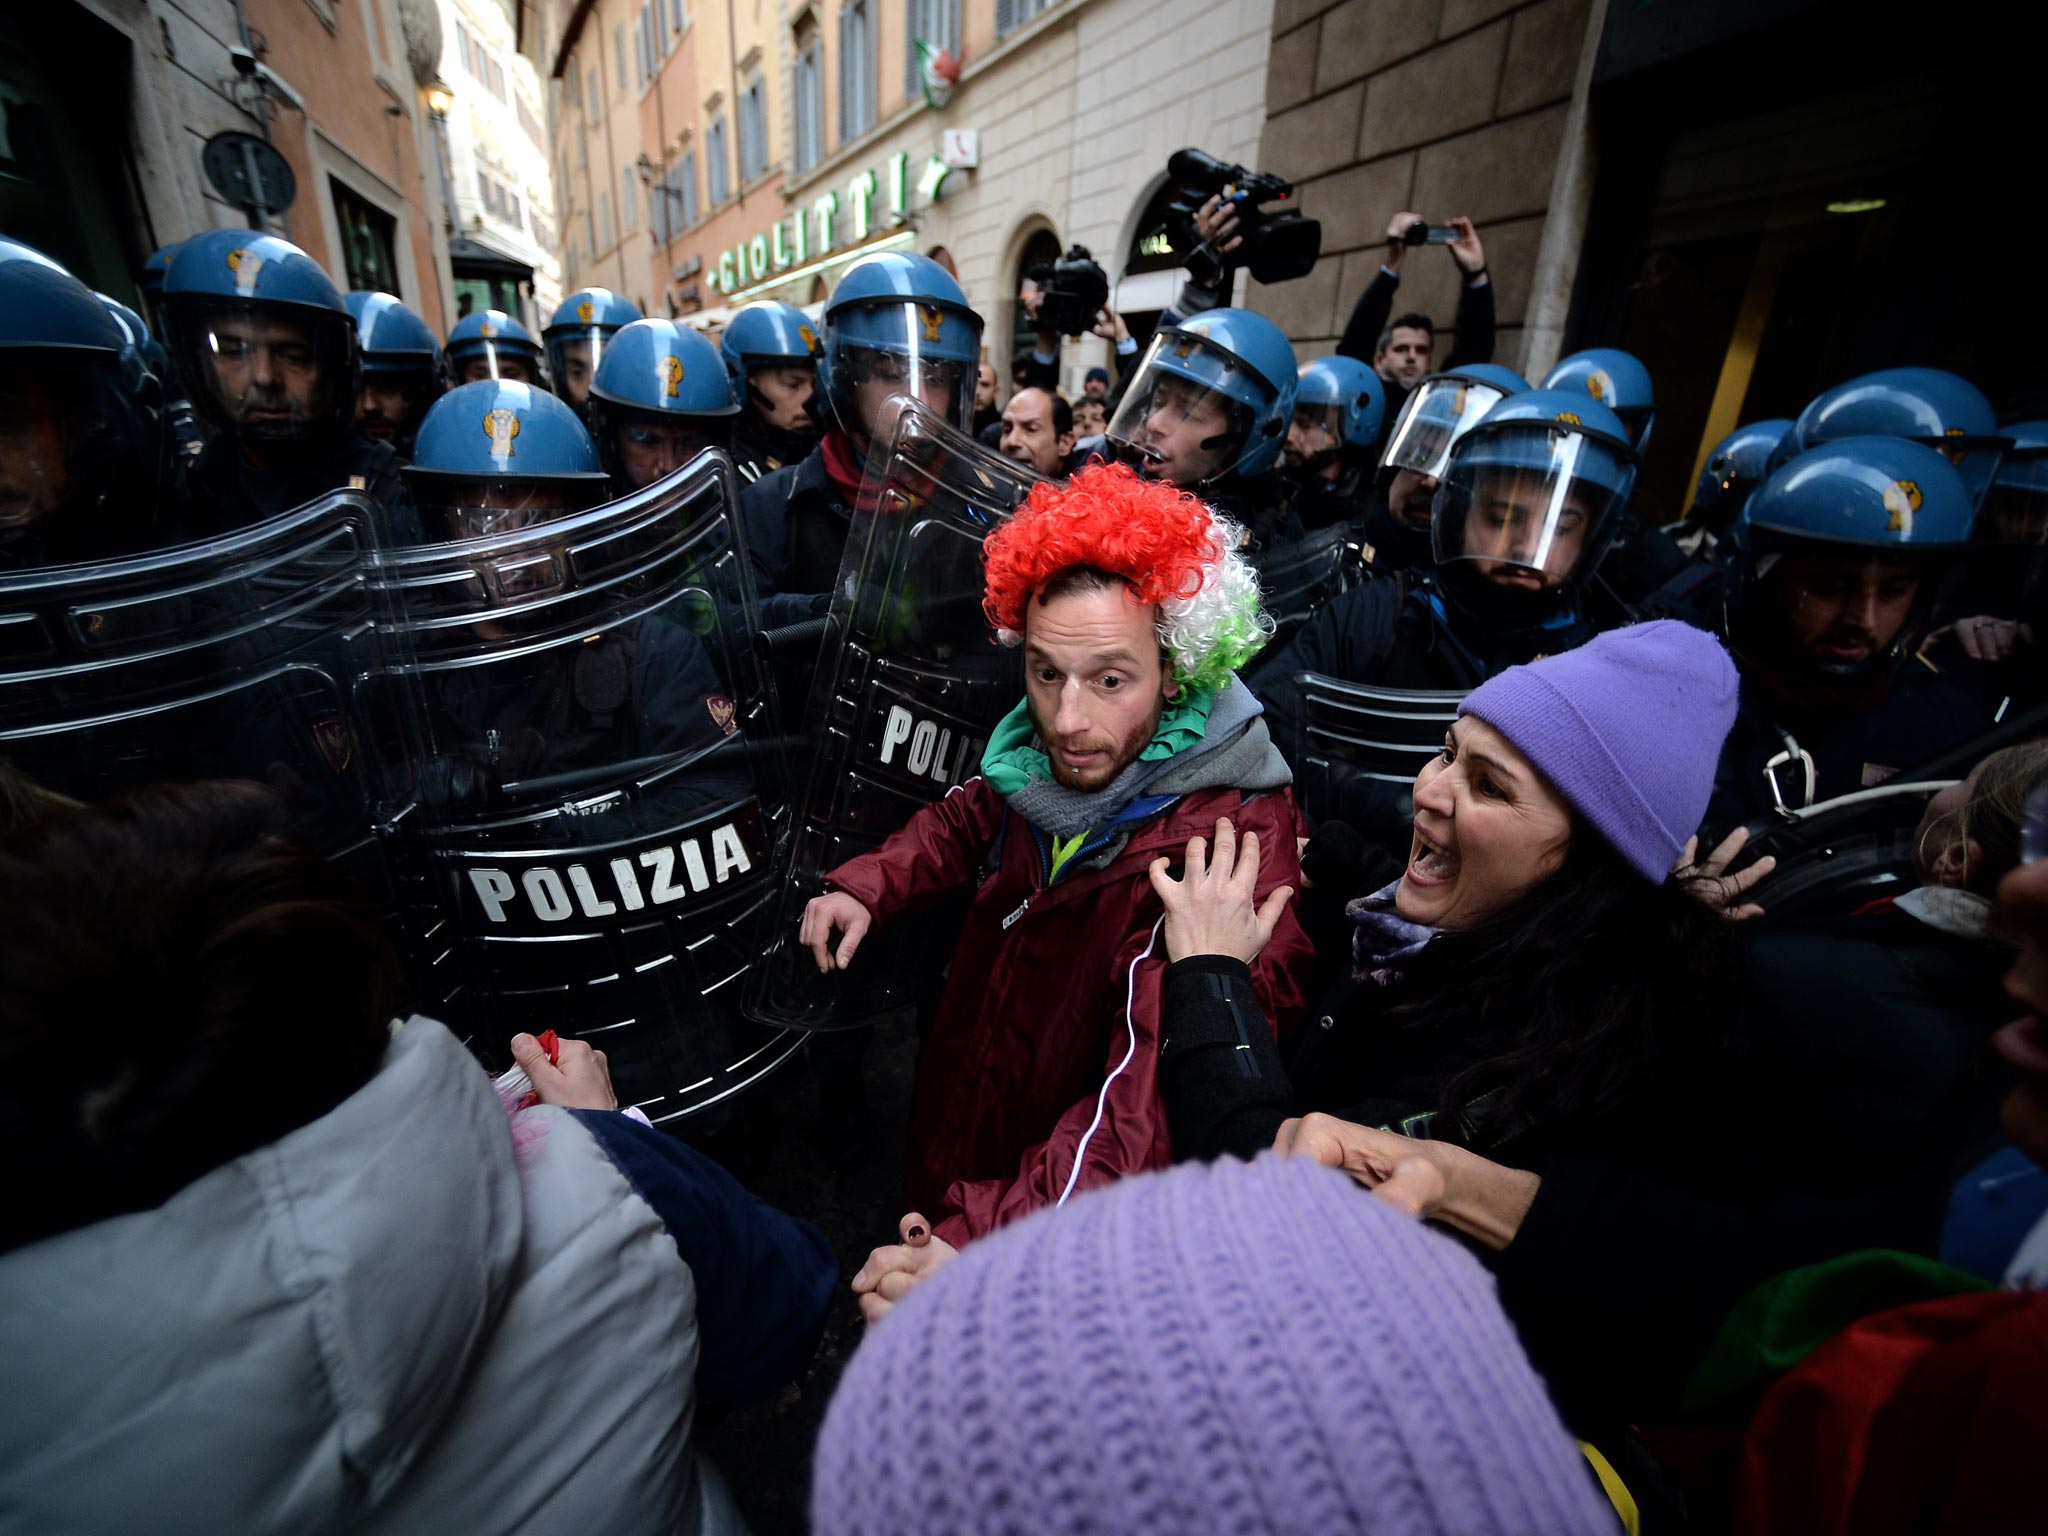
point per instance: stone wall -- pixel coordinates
(1444, 107)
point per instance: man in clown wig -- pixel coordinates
(1134, 612)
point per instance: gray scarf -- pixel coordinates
(1236, 752)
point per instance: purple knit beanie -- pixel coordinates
(1628, 727)
(1233, 1347)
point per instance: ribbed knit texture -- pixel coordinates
(1628, 727)
(1237, 1348)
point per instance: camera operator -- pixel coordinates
(1070, 284)
(1400, 349)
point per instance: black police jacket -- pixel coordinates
(224, 491)
(1921, 716)
(757, 451)
(796, 528)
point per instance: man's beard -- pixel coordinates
(1126, 752)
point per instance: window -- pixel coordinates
(753, 130)
(628, 207)
(463, 48)
(678, 15)
(644, 42)
(809, 100)
(715, 165)
(530, 125)
(1012, 14)
(687, 176)
(856, 71)
(604, 216)
(486, 192)
(593, 101)
(512, 208)
(936, 23)
(589, 235)
(368, 240)
(619, 48)
(572, 85)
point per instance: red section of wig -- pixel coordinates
(1154, 535)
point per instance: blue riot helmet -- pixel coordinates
(263, 344)
(2015, 509)
(1530, 498)
(576, 338)
(80, 436)
(1736, 466)
(1619, 381)
(1931, 406)
(1870, 519)
(402, 372)
(898, 324)
(767, 333)
(661, 397)
(150, 283)
(1441, 409)
(1212, 397)
(1339, 404)
(491, 344)
(495, 455)
(145, 362)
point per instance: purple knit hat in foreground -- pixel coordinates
(1239, 1348)
(1628, 727)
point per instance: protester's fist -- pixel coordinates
(834, 910)
(890, 1272)
(578, 1079)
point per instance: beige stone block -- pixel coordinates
(1291, 68)
(1305, 307)
(1355, 204)
(1435, 94)
(1464, 15)
(1491, 174)
(1511, 263)
(1362, 36)
(1543, 55)
(1314, 138)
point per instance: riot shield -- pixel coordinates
(1357, 750)
(911, 683)
(586, 778)
(228, 658)
(1297, 578)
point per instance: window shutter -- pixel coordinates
(1006, 17)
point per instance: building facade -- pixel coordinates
(773, 143)
(110, 104)
(1746, 195)
(501, 190)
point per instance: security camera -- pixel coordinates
(244, 61)
(275, 84)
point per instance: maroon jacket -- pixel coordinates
(1046, 1046)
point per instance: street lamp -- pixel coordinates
(439, 97)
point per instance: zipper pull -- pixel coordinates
(1024, 907)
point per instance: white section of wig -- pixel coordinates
(1225, 607)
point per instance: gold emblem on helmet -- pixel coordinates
(1902, 500)
(1599, 385)
(932, 317)
(487, 329)
(1569, 418)
(501, 426)
(245, 264)
(810, 339)
(672, 371)
(584, 311)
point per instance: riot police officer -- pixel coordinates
(1338, 406)
(267, 352)
(771, 351)
(491, 344)
(1929, 406)
(660, 398)
(1839, 555)
(149, 282)
(1209, 407)
(898, 326)
(1642, 557)
(1735, 467)
(81, 435)
(402, 369)
(1440, 409)
(584, 322)
(1528, 500)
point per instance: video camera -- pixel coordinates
(1279, 244)
(1073, 291)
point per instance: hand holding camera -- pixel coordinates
(1407, 229)
(1219, 222)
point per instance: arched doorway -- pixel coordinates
(1152, 272)
(944, 258)
(1042, 249)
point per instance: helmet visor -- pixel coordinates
(493, 357)
(1317, 431)
(882, 378)
(1530, 506)
(641, 447)
(456, 507)
(573, 356)
(2015, 508)
(1976, 459)
(1181, 419)
(269, 372)
(1441, 411)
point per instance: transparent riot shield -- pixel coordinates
(228, 658)
(1358, 748)
(911, 682)
(581, 756)
(1297, 578)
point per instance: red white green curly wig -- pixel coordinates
(1171, 549)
